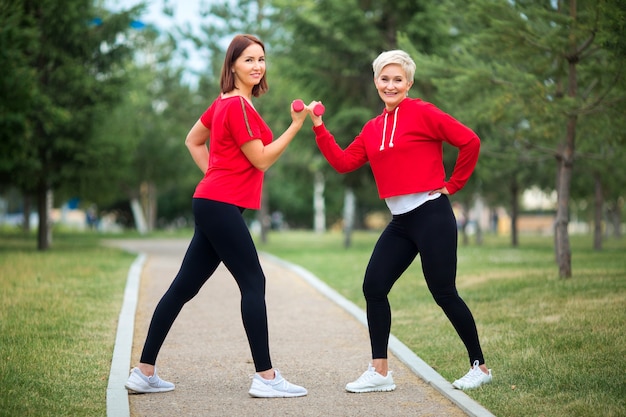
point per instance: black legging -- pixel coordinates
(429, 230)
(220, 235)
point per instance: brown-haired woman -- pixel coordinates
(241, 150)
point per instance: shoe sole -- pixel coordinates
(462, 387)
(274, 394)
(138, 390)
(382, 388)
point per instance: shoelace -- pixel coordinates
(154, 380)
(367, 375)
(474, 374)
(276, 382)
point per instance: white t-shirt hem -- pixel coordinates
(402, 204)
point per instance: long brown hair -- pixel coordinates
(234, 51)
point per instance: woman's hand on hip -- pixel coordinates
(442, 190)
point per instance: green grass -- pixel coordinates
(58, 319)
(557, 346)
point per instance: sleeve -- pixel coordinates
(462, 137)
(207, 116)
(243, 122)
(343, 161)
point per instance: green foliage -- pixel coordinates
(16, 88)
(508, 75)
(77, 115)
(76, 78)
(67, 67)
(143, 138)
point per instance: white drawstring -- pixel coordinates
(393, 130)
(382, 144)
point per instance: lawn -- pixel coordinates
(58, 320)
(557, 347)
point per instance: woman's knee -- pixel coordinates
(374, 290)
(182, 293)
(446, 297)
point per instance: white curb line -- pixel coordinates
(117, 396)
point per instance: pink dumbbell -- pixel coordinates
(298, 106)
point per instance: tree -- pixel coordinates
(72, 68)
(17, 85)
(600, 173)
(552, 60)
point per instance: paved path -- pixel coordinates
(314, 341)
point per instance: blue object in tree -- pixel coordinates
(136, 24)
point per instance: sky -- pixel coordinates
(185, 12)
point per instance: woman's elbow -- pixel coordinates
(197, 136)
(262, 167)
(258, 162)
(189, 142)
(341, 169)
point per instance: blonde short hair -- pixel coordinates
(395, 56)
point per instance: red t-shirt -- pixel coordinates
(231, 178)
(404, 148)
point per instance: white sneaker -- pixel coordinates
(473, 379)
(278, 387)
(371, 381)
(142, 384)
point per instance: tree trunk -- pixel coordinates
(565, 165)
(319, 206)
(514, 213)
(138, 216)
(617, 220)
(478, 209)
(148, 192)
(479, 234)
(561, 222)
(27, 201)
(597, 210)
(466, 219)
(614, 218)
(44, 207)
(348, 216)
(263, 215)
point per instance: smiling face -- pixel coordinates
(392, 85)
(249, 68)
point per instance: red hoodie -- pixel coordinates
(408, 157)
